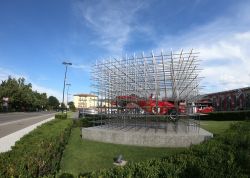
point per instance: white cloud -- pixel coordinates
(111, 20)
(234, 72)
(5, 73)
(82, 67)
(223, 43)
(224, 48)
(49, 91)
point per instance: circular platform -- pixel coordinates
(172, 135)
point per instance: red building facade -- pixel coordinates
(231, 100)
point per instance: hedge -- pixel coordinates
(61, 116)
(38, 153)
(224, 156)
(227, 115)
(82, 122)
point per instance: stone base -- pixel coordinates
(182, 136)
(123, 163)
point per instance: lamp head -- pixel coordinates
(67, 63)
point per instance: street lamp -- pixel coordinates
(66, 68)
(68, 84)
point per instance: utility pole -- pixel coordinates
(65, 74)
(68, 84)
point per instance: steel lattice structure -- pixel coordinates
(164, 77)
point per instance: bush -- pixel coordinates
(66, 175)
(61, 116)
(38, 153)
(238, 136)
(227, 116)
(82, 122)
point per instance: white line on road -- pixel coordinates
(9, 140)
(21, 120)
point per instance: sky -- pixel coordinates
(36, 36)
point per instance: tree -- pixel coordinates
(21, 96)
(53, 102)
(18, 92)
(40, 100)
(63, 106)
(72, 106)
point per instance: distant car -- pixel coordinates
(87, 112)
(205, 110)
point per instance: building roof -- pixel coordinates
(228, 91)
(85, 95)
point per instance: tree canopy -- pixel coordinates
(53, 102)
(21, 97)
(71, 106)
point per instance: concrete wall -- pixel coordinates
(143, 138)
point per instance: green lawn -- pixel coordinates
(216, 127)
(84, 155)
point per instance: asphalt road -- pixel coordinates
(12, 122)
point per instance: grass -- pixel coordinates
(85, 156)
(216, 127)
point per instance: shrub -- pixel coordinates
(66, 175)
(37, 153)
(227, 115)
(82, 122)
(61, 116)
(238, 136)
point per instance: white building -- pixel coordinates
(85, 100)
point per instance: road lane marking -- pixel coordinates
(30, 118)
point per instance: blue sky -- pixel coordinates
(36, 36)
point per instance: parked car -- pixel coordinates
(87, 112)
(205, 110)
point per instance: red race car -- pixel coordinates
(150, 105)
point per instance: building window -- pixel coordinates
(221, 103)
(214, 103)
(228, 103)
(248, 101)
(234, 102)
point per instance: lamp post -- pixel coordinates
(66, 68)
(68, 84)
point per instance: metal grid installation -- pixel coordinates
(133, 89)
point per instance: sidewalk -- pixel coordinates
(8, 141)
